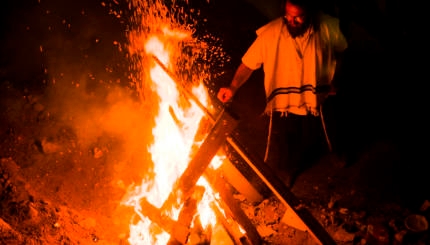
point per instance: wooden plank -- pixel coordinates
(185, 218)
(222, 132)
(232, 175)
(226, 194)
(298, 216)
(224, 125)
(175, 229)
(184, 185)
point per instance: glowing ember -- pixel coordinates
(158, 35)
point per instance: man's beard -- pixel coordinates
(297, 30)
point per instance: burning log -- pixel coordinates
(221, 133)
(185, 91)
(225, 191)
(176, 230)
(222, 128)
(203, 157)
(187, 214)
(234, 234)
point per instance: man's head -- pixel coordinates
(299, 16)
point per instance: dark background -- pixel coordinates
(382, 92)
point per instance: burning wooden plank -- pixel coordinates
(203, 157)
(225, 124)
(226, 193)
(187, 213)
(234, 235)
(299, 218)
(186, 184)
(177, 230)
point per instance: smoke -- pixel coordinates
(74, 61)
(84, 83)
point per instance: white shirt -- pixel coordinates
(294, 67)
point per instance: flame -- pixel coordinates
(176, 127)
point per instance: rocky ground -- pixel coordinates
(66, 161)
(59, 189)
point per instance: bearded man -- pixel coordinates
(298, 53)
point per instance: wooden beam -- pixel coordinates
(174, 228)
(183, 188)
(233, 206)
(296, 215)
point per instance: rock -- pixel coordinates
(265, 231)
(416, 223)
(38, 107)
(344, 211)
(425, 206)
(399, 236)
(49, 146)
(8, 235)
(341, 235)
(378, 233)
(97, 152)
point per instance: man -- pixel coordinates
(298, 53)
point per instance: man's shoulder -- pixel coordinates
(273, 25)
(329, 30)
(328, 20)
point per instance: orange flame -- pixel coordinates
(174, 132)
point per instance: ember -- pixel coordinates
(155, 45)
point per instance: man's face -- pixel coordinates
(297, 23)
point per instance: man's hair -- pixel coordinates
(310, 6)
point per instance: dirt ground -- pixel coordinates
(73, 136)
(58, 189)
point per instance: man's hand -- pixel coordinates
(332, 92)
(240, 77)
(225, 94)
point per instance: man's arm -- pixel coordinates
(338, 76)
(240, 77)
